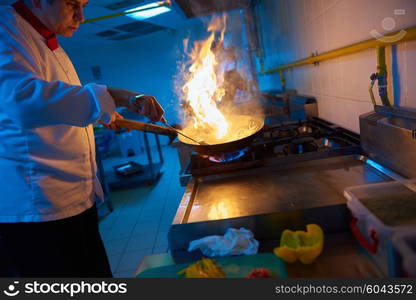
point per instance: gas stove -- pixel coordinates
(313, 138)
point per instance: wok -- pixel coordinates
(245, 128)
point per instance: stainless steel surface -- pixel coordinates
(277, 188)
(270, 199)
(408, 183)
(388, 135)
(184, 153)
(400, 112)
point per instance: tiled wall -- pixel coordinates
(293, 29)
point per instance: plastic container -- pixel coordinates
(405, 244)
(379, 211)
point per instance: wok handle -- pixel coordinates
(145, 127)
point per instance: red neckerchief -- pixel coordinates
(26, 14)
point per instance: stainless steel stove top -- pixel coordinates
(310, 139)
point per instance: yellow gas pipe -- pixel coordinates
(378, 43)
(360, 46)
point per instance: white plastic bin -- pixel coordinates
(378, 211)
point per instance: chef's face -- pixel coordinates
(61, 16)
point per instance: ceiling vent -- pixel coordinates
(129, 30)
(107, 33)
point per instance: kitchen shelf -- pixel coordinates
(149, 174)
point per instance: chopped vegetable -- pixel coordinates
(260, 273)
(204, 268)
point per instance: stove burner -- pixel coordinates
(332, 142)
(305, 129)
(228, 157)
(284, 132)
(311, 139)
(301, 145)
(289, 131)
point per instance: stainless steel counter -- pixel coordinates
(266, 190)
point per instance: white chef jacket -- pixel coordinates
(47, 150)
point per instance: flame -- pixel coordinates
(203, 88)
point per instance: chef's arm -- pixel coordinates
(32, 102)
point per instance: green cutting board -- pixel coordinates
(233, 266)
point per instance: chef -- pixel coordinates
(48, 183)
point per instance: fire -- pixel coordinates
(203, 88)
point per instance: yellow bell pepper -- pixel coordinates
(304, 246)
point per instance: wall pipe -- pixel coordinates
(360, 46)
(382, 75)
(252, 38)
(282, 80)
(373, 79)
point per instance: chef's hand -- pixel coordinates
(139, 103)
(148, 106)
(113, 125)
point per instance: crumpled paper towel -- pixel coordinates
(234, 242)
